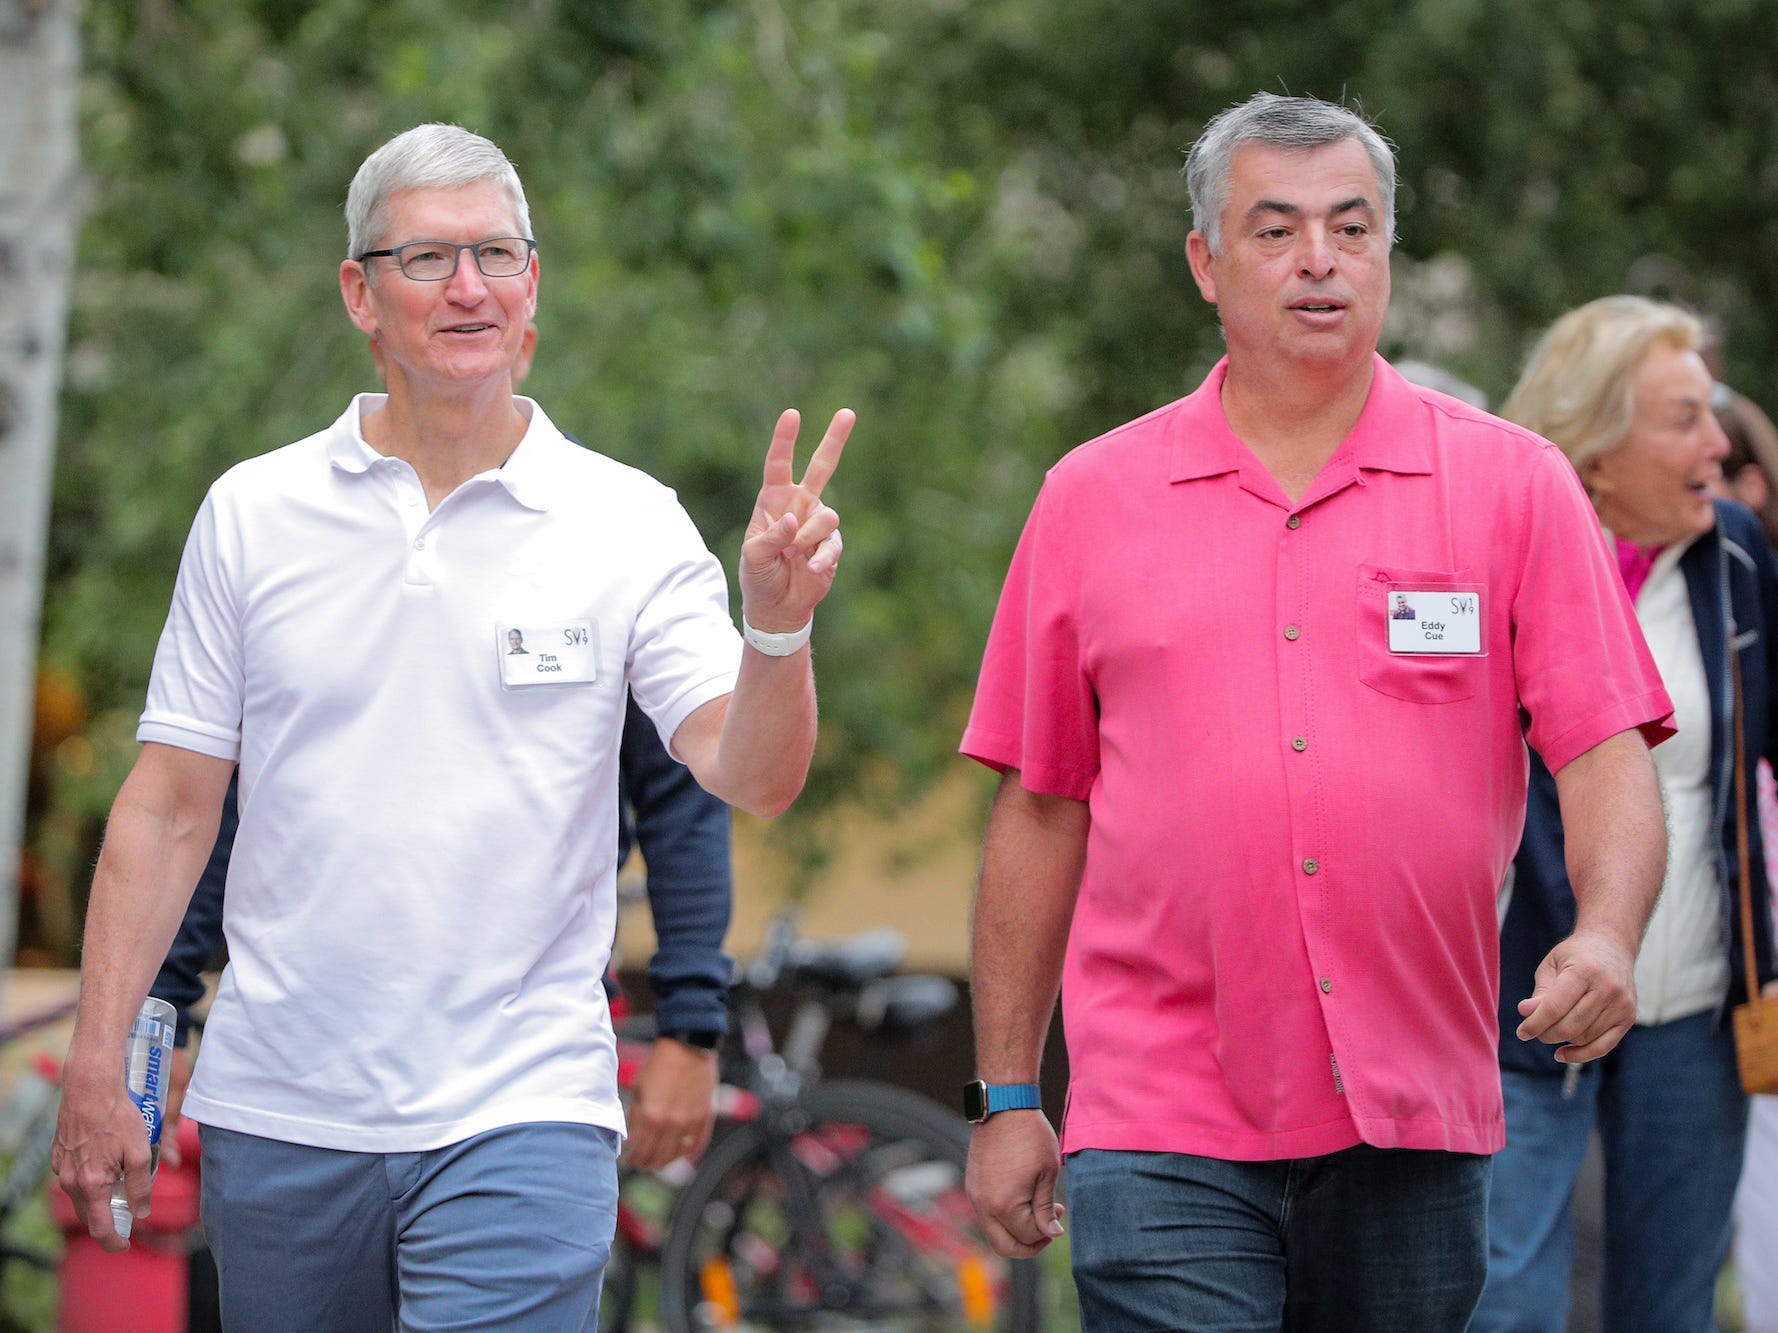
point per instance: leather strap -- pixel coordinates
(1752, 974)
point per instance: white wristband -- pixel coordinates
(776, 645)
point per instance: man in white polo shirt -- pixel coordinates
(408, 1087)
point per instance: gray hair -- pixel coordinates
(427, 157)
(1298, 123)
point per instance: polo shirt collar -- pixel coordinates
(347, 449)
(528, 473)
(1390, 434)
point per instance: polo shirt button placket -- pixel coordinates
(419, 563)
(405, 484)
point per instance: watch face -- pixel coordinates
(975, 1102)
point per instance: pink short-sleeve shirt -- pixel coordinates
(1286, 941)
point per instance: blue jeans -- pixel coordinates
(508, 1230)
(1672, 1120)
(1364, 1239)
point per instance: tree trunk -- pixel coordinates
(39, 80)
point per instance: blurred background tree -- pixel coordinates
(962, 218)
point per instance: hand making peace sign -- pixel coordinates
(793, 540)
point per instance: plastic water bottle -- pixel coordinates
(148, 1064)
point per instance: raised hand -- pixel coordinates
(793, 540)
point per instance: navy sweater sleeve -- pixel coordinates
(1542, 910)
(683, 832)
(199, 940)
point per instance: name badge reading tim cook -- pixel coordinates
(1441, 620)
(533, 655)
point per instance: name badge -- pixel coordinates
(532, 655)
(1442, 620)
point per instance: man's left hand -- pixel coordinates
(672, 1109)
(1014, 1161)
(793, 540)
(1585, 997)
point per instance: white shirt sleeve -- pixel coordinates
(684, 648)
(195, 691)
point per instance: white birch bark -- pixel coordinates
(39, 82)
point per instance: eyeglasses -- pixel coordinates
(434, 261)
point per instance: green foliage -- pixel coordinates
(964, 220)
(29, 1296)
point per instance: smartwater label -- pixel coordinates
(150, 1056)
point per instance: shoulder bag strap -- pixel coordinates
(1746, 894)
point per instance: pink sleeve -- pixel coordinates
(1583, 671)
(1034, 706)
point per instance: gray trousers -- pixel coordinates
(508, 1230)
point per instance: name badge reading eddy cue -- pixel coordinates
(532, 655)
(1442, 620)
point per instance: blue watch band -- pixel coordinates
(1014, 1097)
(981, 1100)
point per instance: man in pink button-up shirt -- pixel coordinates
(1253, 823)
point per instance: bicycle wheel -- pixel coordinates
(644, 1198)
(851, 1215)
(617, 1295)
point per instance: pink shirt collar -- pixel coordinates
(1387, 437)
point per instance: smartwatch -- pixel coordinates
(981, 1100)
(698, 1039)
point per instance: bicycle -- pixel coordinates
(833, 1205)
(645, 1197)
(27, 1137)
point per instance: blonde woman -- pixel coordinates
(1618, 385)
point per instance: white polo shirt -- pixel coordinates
(421, 898)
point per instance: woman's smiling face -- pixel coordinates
(1655, 488)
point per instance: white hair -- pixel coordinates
(427, 157)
